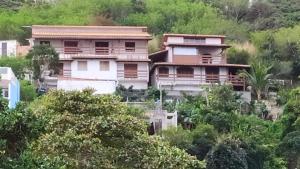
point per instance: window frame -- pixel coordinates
(4, 92)
(179, 71)
(130, 48)
(130, 73)
(163, 71)
(75, 49)
(80, 68)
(102, 50)
(101, 66)
(45, 42)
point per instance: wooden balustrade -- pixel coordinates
(102, 51)
(235, 80)
(123, 53)
(131, 74)
(203, 59)
(72, 50)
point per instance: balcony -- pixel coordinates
(132, 54)
(198, 79)
(199, 59)
(139, 75)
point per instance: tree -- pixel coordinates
(290, 148)
(204, 139)
(44, 58)
(90, 131)
(17, 128)
(258, 78)
(238, 56)
(227, 155)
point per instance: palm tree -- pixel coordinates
(258, 77)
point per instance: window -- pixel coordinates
(71, 43)
(47, 43)
(102, 48)
(129, 46)
(163, 72)
(104, 65)
(4, 49)
(71, 47)
(61, 69)
(212, 74)
(185, 72)
(5, 93)
(82, 65)
(130, 71)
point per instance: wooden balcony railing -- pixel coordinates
(203, 59)
(130, 74)
(139, 53)
(130, 49)
(199, 79)
(102, 51)
(72, 50)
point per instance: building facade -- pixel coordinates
(188, 62)
(12, 48)
(98, 57)
(10, 86)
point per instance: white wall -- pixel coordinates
(93, 70)
(11, 47)
(213, 41)
(175, 40)
(223, 72)
(185, 51)
(101, 87)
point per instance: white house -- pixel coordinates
(189, 62)
(98, 57)
(10, 86)
(12, 48)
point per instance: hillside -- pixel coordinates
(82, 129)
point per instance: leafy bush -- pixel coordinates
(227, 155)
(237, 56)
(87, 131)
(27, 91)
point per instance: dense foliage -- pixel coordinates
(81, 130)
(215, 130)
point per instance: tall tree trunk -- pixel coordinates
(292, 162)
(258, 93)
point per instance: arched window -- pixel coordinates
(163, 72)
(185, 72)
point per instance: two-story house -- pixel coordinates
(189, 62)
(98, 57)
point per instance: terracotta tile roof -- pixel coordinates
(90, 32)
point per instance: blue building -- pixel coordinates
(10, 86)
